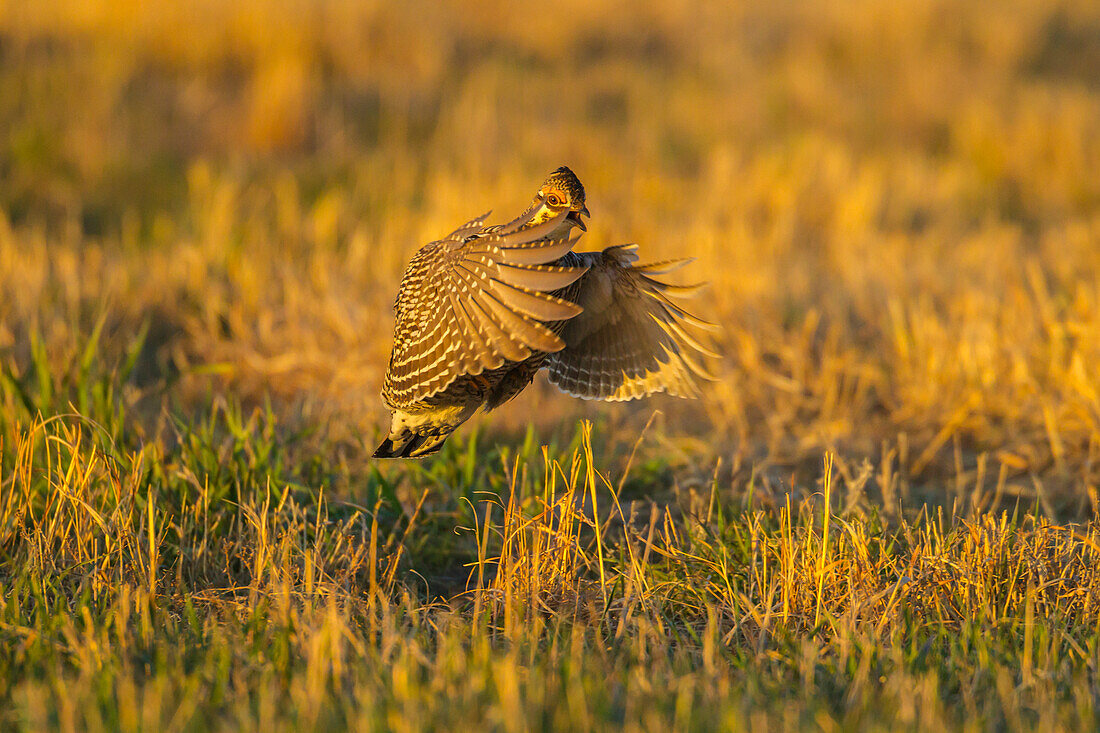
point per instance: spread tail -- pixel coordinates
(410, 445)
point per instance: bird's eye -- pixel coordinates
(553, 199)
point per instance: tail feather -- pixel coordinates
(410, 445)
(386, 450)
(427, 445)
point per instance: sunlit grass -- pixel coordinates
(206, 587)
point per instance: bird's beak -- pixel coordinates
(575, 217)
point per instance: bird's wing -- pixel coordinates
(472, 301)
(632, 339)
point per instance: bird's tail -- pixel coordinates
(410, 445)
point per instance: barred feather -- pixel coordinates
(465, 306)
(630, 340)
(482, 310)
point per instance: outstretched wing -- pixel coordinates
(471, 302)
(632, 339)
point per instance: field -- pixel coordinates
(883, 515)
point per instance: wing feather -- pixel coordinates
(533, 303)
(539, 277)
(664, 266)
(502, 343)
(631, 339)
(472, 302)
(530, 234)
(522, 329)
(536, 253)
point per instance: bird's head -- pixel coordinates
(561, 191)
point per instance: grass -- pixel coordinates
(208, 586)
(882, 516)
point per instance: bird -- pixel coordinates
(481, 311)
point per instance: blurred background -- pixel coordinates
(897, 205)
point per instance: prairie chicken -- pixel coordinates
(480, 311)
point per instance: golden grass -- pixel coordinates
(269, 606)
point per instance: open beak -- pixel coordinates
(575, 217)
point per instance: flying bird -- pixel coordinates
(482, 310)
